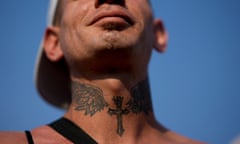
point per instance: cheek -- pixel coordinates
(73, 20)
(142, 12)
(76, 11)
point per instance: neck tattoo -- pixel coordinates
(90, 99)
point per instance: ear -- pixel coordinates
(161, 36)
(51, 44)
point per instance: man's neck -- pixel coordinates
(111, 109)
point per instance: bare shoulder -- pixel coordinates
(12, 137)
(181, 139)
(171, 137)
(46, 135)
(40, 135)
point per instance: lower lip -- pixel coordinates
(114, 20)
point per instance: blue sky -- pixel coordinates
(195, 84)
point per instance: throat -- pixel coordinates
(119, 111)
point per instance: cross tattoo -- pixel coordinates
(118, 100)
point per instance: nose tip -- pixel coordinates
(117, 2)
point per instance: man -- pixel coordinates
(95, 65)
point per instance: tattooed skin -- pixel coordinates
(141, 99)
(90, 99)
(118, 100)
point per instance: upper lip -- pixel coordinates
(112, 13)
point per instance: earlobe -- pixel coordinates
(51, 44)
(161, 36)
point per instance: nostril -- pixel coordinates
(98, 3)
(101, 2)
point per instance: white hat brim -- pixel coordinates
(52, 78)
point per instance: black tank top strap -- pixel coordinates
(29, 137)
(71, 131)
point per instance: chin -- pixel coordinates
(117, 40)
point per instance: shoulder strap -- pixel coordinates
(29, 137)
(71, 131)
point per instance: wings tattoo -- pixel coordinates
(141, 99)
(88, 98)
